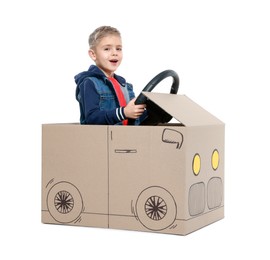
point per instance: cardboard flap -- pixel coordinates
(183, 109)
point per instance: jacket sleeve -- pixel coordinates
(90, 102)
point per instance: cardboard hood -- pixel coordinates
(183, 109)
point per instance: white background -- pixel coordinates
(220, 49)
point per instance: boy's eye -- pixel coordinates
(108, 49)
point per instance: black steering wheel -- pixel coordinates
(155, 114)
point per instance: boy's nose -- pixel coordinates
(114, 52)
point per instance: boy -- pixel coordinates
(104, 97)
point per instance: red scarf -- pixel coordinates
(120, 95)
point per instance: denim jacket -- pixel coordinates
(97, 97)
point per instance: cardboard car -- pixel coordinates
(167, 178)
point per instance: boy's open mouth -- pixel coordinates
(114, 61)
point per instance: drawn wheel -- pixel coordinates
(156, 208)
(64, 202)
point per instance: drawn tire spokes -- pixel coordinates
(155, 208)
(63, 202)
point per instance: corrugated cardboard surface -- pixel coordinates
(167, 179)
(74, 160)
(183, 109)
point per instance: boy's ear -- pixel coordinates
(92, 54)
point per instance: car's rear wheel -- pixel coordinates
(64, 202)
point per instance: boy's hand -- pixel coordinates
(134, 111)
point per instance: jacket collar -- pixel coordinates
(97, 72)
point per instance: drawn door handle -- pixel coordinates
(125, 151)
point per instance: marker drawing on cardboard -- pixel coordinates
(172, 136)
(64, 202)
(156, 208)
(173, 177)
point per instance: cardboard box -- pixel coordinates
(166, 178)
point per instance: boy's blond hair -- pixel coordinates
(101, 32)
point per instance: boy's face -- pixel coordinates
(107, 54)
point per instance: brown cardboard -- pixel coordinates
(167, 178)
